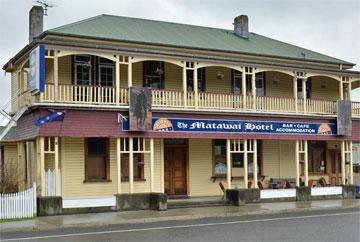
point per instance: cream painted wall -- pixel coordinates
(73, 172)
(214, 85)
(324, 88)
(278, 84)
(200, 169)
(279, 159)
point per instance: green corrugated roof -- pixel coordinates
(183, 35)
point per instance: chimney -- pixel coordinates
(36, 15)
(241, 26)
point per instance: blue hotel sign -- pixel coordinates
(37, 69)
(238, 126)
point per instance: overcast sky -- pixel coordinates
(331, 27)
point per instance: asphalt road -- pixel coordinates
(331, 225)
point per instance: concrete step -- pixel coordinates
(195, 202)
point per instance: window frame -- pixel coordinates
(141, 173)
(311, 163)
(77, 63)
(201, 80)
(234, 76)
(308, 87)
(105, 65)
(161, 77)
(259, 159)
(214, 174)
(106, 165)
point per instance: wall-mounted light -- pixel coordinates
(220, 76)
(159, 71)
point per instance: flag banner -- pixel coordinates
(52, 117)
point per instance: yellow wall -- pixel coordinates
(324, 88)
(173, 77)
(200, 169)
(73, 172)
(64, 64)
(14, 90)
(10, 156)
(279, 159)
(278, 84)
(214, 85)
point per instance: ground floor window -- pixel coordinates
(138, 166)
(237, 159)
(317, 156)
(97, 164)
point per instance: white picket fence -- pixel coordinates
(50, 183)
(18, 205)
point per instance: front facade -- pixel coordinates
(221, 101)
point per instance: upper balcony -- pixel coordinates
(103, 80)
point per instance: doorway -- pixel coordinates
(175, 169)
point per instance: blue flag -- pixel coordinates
(52, 117)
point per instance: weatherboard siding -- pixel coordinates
(73, 172)
(324, 88)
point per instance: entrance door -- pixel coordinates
(335, 158)
(175, 170)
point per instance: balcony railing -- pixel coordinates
(85, 94)
(175, 99)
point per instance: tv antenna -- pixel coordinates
(45, 5)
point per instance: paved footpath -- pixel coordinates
(145, 216)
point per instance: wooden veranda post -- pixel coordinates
(117, 79)
(56, 150)
(131, 165)
(151, 164)
(245, 164)
(297, 158)
(228, 164)
(118, 164)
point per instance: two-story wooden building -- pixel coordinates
(222, 100)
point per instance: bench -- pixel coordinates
(278, 183)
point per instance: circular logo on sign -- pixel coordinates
(163, 124)
(324, 129)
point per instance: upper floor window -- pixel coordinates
(82, 70)
(201, 80)
(237, 83)
(105, 72)
(300, 89)
(154, 74)
(260, 84)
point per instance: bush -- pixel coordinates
(9, 179)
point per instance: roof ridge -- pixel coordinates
(167, 22)
(76, 22)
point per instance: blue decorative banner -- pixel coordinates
(237, 126)
(37, 70)
(52, 117)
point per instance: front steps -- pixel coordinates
(192, 202)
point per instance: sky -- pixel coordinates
(330, 27)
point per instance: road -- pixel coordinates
(330, 225)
